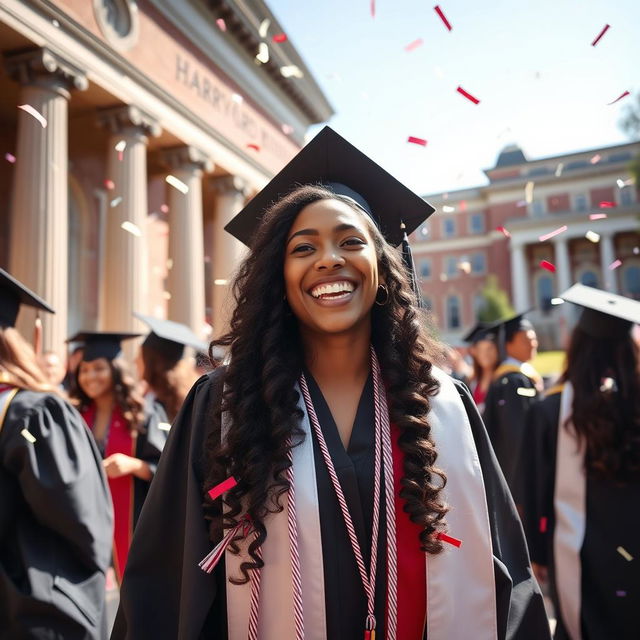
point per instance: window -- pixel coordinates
(580, 202)
(631, 281)
(589, 278)
(627, 195)
(448, 227)
(478, 304)
(451, 266)
(478, 263)
(453, 312)
(425, 268)
(544, 292)
(537, 208)
(476, 223)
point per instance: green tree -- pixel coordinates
(496, 303)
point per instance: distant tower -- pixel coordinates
(511, 155)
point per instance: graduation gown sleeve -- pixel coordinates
(55, 522)
(165, 594)
(521, 613)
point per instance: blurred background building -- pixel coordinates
(496, 229)
(131, 93)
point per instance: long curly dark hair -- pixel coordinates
(266, 361)
(606, 416)
(125, 395)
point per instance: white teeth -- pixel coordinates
(332, 288)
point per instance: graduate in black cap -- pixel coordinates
(55, 510)
(484, 354)
(130, 433)
(321, 449)
(514, 389)
(582, 445)
(162, 363)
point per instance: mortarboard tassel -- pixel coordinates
(209, 562)
(407, 258)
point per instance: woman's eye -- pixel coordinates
(302, 248)
(353, 242)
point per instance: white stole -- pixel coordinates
(460, 581)
(570, 513)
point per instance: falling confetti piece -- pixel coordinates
(543, 524)
(291, 70)
(287, 129)
(449, 539)
(620, 183)
(527, 393)
(438, 10)
(164, 208)
(545, 264)
(132, 228)
(559, 169)
(597, 216)
(608, 384)
(595, 159)
(467, 95)
(615, 264)
(176, 183)
(622, 95)
(528, 192)
(110, 184)
(27, 108)
(121, 145)
(115, 202)
(372, 8)
(559, 230)
(593, 236)
(621, 594)
(607, 204)
(9, 157)
(414, 140)
(164, 426)
(219, 489)
(280, 37)
(222, 25)
(166, 295)
(220, 281)
(169, 263)
(604, 30)
(636, 251)
(448, 208)
(252, 145)
(504, 231)
(263, 53)
(27, 436)
(555, 301)
(414, 45)
(465, 266)
(237, 98)
(56, 24)
(625, 554)
(264, 27)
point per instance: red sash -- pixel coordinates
(120, 440)
(412, 565)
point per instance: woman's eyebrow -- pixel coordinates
(314, 232)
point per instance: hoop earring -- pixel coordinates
(382, 287)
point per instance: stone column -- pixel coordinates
(607, 256)
(125, 277)
(186, 241)
(227, 251)
(562, 264)
(39, 216)
(520, 278)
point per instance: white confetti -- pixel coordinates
(559, 169)
(620, 183)
(263, 53)
(121, 146)
(132, 228)
(596, 159)
(264, 27)
(56, 24)
(177, 184)
(27, 436)
(27, 108)
(237, 98)
(115, 202)
(448, 209)
(527, 393)
(528, 192)
(166, 295)
(164, 426)
(555, 301)
(291, 70)
(220, 281)
(465, 266)
(593, 236)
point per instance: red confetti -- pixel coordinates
(504, 231)
(280, 37)
(420, 141)
(606, 28)
(373, 8)
(597, 216)
(219, 489)
(438, 10)
(615, 264)
(557, 231)
(543, 524)
(253, 146)
(607, 204)
(222, 25)
(445, 538)
(622, 95)
(467, 95)
(545, 264)
(164, 208)
(110, 184)
(9, 157)
(414, 45)
(120, 156)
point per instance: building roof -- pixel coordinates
(510, 156)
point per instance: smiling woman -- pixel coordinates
(330, 435)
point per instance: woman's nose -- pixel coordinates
(329, 258)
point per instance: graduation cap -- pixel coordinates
(331, 162)
(604, 314)
(12, 294)
(101, 344)
(170, 338)
(481, 331)
(508, 327)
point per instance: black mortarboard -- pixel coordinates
(101, 344)
(604, 315)
(481, 331)
(12, 295)
(170, 338)
(511, 325)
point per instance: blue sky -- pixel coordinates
(541, 83)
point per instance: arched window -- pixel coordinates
(453, 312)
(631, 281)
(589, 278)
(544, 292)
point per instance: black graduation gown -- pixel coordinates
(504, 416)
(163, 576)
(55, 523)
(610, 584)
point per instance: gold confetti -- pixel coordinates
(177, 184)
(166, 295)
(132, 228)
(526, 392)
(27, 436)
(220, 281)
(528, 192)
(593, 236)
(625, 554)
(263, 53)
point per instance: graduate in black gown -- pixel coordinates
(514, 390)
(582, 452)
(322, 447)
(55, 510)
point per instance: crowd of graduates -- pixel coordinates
(81, 449)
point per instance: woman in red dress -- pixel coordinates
(484, 352)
